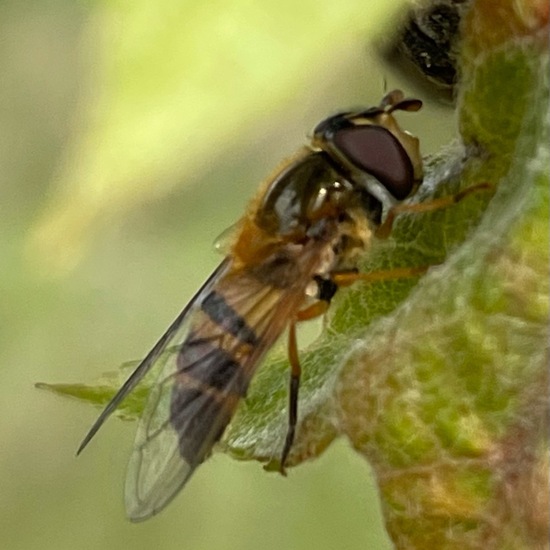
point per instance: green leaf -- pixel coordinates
(102, 391)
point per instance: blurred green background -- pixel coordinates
(131, 135)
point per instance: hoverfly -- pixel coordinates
(297, 243)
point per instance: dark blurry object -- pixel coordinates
(427, 41)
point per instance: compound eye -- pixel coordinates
(378, 152)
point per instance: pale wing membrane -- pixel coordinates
(200, 385)
(175, 334)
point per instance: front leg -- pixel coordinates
(384, 231)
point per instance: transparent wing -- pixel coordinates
(201, 383)
(176, 332)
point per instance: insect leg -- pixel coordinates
(429, 206)
(347, 278)
(295, 372)
(314, 310)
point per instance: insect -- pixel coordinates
(296, 245)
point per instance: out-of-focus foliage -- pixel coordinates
(178, 81)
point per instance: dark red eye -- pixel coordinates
(378, 152)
